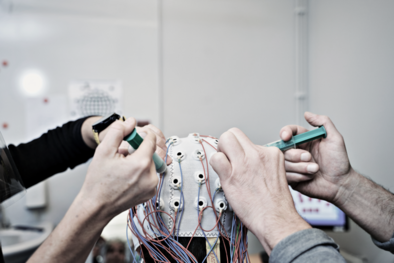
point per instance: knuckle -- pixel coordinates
(325, 119)
(234, 129)
(101, 150)
(155, 181)
(145, 162)
(273, 150)
(225, 137)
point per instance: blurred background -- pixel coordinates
(199, 66)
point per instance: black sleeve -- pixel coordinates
(52, 153)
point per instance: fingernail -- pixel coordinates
(142, 134)
(312, 168)
(285, 134)
(305, 157)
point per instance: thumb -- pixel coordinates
(116, 132)
(221, 165)
(321, 120)
(147, 147)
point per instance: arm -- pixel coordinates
(254, 181)
(113, 184)
(66, 147)
(52, 153)
(368, 204)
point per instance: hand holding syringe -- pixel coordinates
(299, 139)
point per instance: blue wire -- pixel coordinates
(171, 243)
(161, 186)
(128, 242)
(198, 200)
(175, 246)
(182, 202)
(212, 249)
(233, 223)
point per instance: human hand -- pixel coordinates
(123, 148)
(161, 148)
(319, 168)
(254, 182)
(87, 133)
(115, 182)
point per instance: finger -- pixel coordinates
(321, 120)
(297, 155)
(294, 178)
(221, 165)
(156, 130)
(123, 151)
(288, 131)
(245, 142)
(169, 160)
(304, 168)
(160, 139)
(147, 147)
(230, 146)
(124, 145)
(162, 155)
(116, 132)
(103, 133)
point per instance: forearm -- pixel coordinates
(273, 231)
(369, 205)
(74, 237)
(53, 152)
(310, 245)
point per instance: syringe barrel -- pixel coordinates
(282, 145)
(135, 140)
(299, 139)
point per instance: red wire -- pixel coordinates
(153, 220)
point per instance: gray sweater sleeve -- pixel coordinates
(389, 245)
(309, 245)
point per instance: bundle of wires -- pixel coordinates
(147, 222)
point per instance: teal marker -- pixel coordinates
(299, 139)
(135, 140)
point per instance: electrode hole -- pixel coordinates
(221, 205)
(201, 203)
(201, 176)
(176, 203)
(175, 181)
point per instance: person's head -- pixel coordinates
(115, 251)
(189, 213)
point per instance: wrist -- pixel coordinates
(346, 188)
(92, 210)
(270, 232)
(87, 132)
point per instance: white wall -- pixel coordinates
(351, 80)
(222, 64)
(226, 64)
(75, 40)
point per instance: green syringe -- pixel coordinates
(135, 140)
(299, 139)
